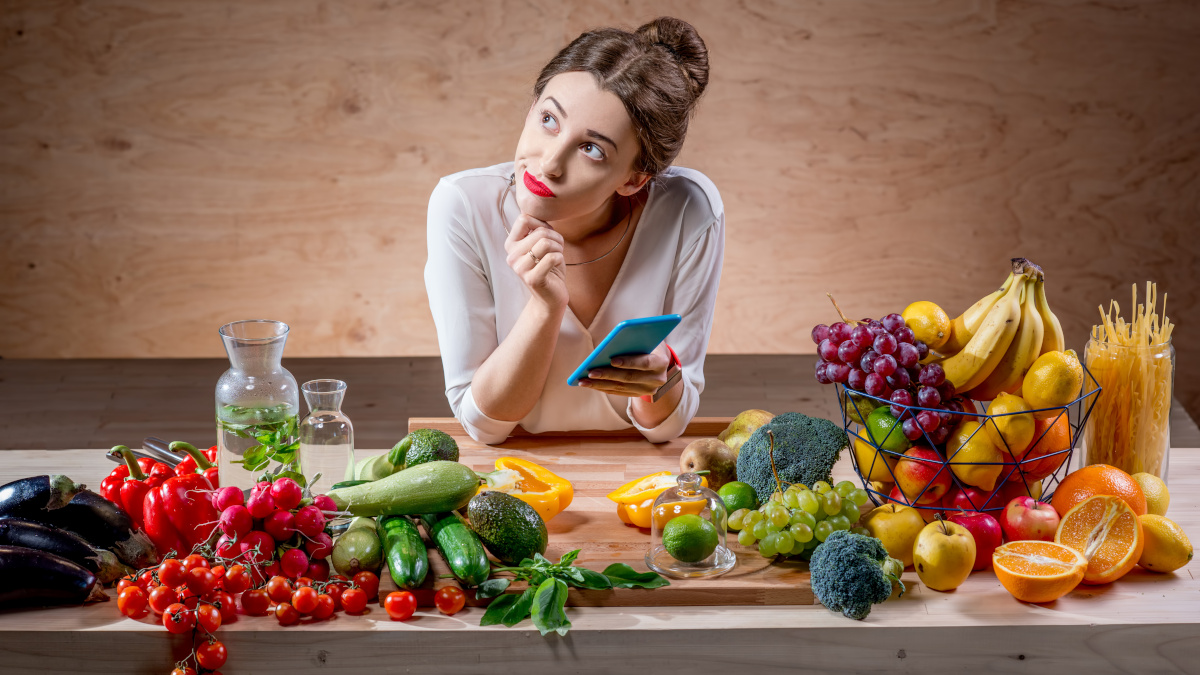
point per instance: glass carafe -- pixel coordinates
(326, 435)
(257, 405)
(687, 531)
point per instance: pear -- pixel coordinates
(742, 426)
(713, 455)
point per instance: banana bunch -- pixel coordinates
(993, 343)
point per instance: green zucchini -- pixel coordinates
(404, 551)
(432, 487)
(461, 548)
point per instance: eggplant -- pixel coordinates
(32, 577)
(64, 544)
(27, 497)
(104, 525)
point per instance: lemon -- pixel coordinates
(738, 495)
(1053, 381)
(885, 430)
(973, 457)
(1157, 497)
(928, 322)
(872, 464)
(1010, 424)
(689, 538)
(1167, 547)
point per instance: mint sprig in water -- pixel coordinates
(546, 598)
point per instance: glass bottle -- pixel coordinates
(326, 435)
(257, 404)
(687, 531)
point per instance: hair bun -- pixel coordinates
(683, 43)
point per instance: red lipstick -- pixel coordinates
(536, 187)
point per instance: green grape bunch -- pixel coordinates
(795, 521)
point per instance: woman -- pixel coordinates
(533, 262)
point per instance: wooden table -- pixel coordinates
(1143, 623)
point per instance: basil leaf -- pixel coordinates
(540, 561)
(255, 458)
(294, 475)
(624, 576)
(550, 608)
(491, 588)
(593, 580)
(568, 557)
(496, 611)
(571, 574)
(520, 609)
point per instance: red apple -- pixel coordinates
(920, 467)
(986, 531)
(928, 511)
(1027, 518)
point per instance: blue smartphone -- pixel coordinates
(635, 336)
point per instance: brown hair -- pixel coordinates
(658, 72)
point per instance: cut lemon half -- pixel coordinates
(1038, 571)
(1108, 534)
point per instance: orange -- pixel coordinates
(1107, 532)
(1050, 437)
(1038, 571)
(1098, 479)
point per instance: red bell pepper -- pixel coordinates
(132, 491)
(187, 503)
(159, 528)
(198, 461)
(110, 487)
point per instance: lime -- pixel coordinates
(689, 538)
(738, 495)
(885, 430)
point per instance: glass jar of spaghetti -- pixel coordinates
(1134, 364)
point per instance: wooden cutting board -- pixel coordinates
(598, 462)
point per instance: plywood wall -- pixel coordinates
(166, 166)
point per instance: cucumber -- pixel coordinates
(433, 487)
(460, 547)
(404, 551)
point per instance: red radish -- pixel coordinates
(281, 525)
(226, 497)
(236, 521)
(287, 493)
(319, 547)
(261, 504)
(261, 540)
(318, 570)
(310, 521)
(324, 502)
(226, 548)
(294, 563)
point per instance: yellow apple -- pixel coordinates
(896, 526)
(944, 555)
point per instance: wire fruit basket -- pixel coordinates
(1031, 471)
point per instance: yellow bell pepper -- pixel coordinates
(635, 498)
(548, 493)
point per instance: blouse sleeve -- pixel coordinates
(460, 299)
(692, 294)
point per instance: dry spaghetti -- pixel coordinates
(1134, 364)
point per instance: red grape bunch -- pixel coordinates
(883, 359)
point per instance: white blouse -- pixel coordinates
(673, 266)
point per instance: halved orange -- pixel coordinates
(1038, 571)
(1107, 532)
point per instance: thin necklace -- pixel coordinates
(512, 180)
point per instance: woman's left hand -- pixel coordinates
(631, 375)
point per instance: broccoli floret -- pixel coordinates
(850, 572)
(806, 448)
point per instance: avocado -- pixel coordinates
(424, 445)
(511, 529)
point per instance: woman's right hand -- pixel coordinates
(535, 253)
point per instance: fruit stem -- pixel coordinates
(840, 312)
(771, 456)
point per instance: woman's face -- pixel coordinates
(577, 149)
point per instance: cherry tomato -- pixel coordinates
(127, 581)
(208, 618)
(325, 606)
(400, 605)
(171, 573)
(218, 571)
(304, 581)
(187, 597)
(211, 655)
(132, 602)
(183, 670)
(368, 582)
(201, 580)
(354, 600)
(280, 589)
(195, 560)
(286, 614)
(225, 603)
(305, 599)
(161, 598)
(449, 599)
(178, 619)
(236, 579)
(255, 602)
(335, 591)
